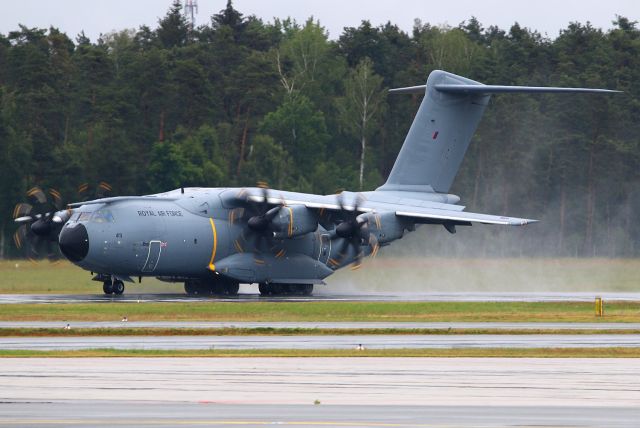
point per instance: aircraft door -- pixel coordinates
(153, 256)
(150, 231)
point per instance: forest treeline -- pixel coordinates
(239, 100)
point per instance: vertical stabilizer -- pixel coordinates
(442, 129)
(439, 135)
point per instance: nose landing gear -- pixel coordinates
(116, 287)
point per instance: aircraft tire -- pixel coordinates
(231, 288)
(265, 289)
(118, 287)
(107, 287)
(205, 289)
(306, 289)
(278, 289)
(190, 288)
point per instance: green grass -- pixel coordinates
(27, 277)
(324, 311)
(267, 331)
(421, 274)
(312, 353)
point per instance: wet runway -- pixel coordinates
(604, 326)
(391, 392)
(320, 296)
(323, 342)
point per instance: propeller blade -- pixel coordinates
(82, 189)
(37, 195)
(272, 213)
(358, 261)
(22, 210)
(20, 236)
(103, 189)
(52, 256)
(57, 199)
(375, 246)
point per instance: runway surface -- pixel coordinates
(364, 297)
(323, 342)
(395, 392)
(323, 325)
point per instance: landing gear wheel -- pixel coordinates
(190, 288)
(118, 287)
(107, 287)
(265, 289)
(279, 289)
(231, 288)
(204, 289)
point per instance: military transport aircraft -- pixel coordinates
(213, 239)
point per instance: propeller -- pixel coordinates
(354, 231)
(258, 234)
(85, 193)
(41, 218)
(40, 221)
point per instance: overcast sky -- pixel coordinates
(103, 16)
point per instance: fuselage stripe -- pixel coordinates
(290, 222)
(212, 267)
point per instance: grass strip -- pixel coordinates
(451, 353)
(269, 331)
(326, 311)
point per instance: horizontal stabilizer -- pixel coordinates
(496, 89)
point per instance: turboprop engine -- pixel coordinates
(385, 227)
(293, 221)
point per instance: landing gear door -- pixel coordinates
(325, 248)
(153, 256)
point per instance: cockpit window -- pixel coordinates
(102, 216)
(75, 217)
(84, 217)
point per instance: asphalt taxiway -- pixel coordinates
(381, 341)
(131, 296)
(390, 392)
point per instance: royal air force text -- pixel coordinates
(159, 213)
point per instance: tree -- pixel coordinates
(362, 106)
(173, 29)
(300, 130)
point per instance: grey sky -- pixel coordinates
(103, 16)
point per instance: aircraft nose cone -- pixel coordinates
(74, 242)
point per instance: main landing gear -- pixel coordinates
(113, 287)
(220, 287)
(275, 289)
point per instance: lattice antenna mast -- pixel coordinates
(190, 11)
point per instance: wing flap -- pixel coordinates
(464, 217)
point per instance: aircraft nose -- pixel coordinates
(74, 242)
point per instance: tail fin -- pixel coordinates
(442, 129)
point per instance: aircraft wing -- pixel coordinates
(419, 210)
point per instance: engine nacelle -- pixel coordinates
(296, 220)
(386, 226)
